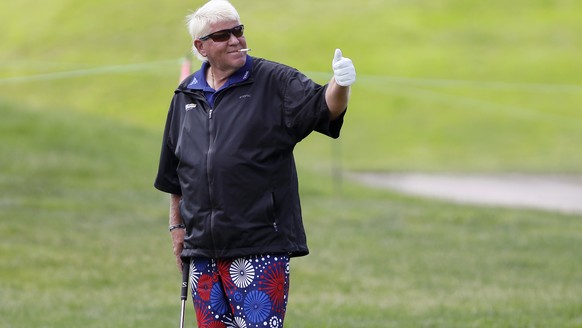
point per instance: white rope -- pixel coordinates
(430, 82)
(89, 71)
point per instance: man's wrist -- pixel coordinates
(176, 226)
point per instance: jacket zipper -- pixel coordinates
(209, 174)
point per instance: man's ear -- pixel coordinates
(200, 47)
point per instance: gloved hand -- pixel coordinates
(344, 71)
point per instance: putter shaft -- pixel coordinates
(182, 313)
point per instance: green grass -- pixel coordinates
(443, 86)
(84, 241)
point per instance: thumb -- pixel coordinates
(337, 56)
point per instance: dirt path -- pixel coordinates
(548, 192)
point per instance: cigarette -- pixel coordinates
(245, 50)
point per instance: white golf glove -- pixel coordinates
(344, 71)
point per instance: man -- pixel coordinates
(227, 161)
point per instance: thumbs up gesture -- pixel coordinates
(344, 71)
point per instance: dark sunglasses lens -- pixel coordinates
(238, 31)
(220, 36)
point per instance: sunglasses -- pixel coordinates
(224, 35)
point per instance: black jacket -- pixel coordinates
(233, 164)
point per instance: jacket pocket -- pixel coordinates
(272, 211)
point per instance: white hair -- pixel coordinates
(213, 11)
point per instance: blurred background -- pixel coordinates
(443, 86)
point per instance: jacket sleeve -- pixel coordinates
(305, 108)
(167, 177)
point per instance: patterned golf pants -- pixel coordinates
(244, 292)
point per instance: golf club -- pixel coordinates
(184, 291)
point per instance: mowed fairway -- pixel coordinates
(443, 86)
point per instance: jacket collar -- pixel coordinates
(199, 82)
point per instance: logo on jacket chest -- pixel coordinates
(190, 106)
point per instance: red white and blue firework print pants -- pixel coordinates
(243, 292)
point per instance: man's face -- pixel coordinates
(224, 55)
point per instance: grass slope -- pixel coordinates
(443, 85)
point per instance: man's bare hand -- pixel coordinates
(178, 245)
